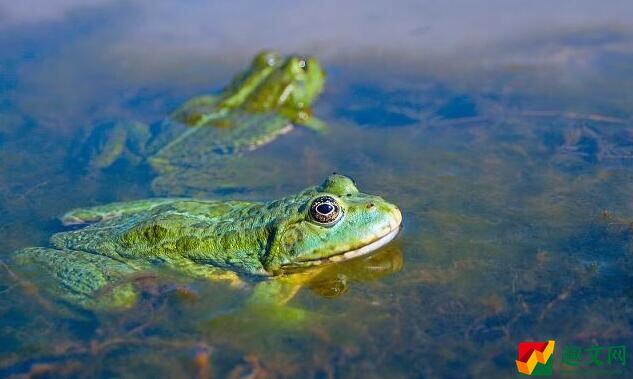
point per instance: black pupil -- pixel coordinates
(324, 208)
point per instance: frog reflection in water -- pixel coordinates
(333, 280)
(198, 142)
(221, 240)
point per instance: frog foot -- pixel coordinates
(112, 141)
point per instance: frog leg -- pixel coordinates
(112, 210)
(315, 124)
(270, 298)
(113, 141)
(304, 117)
(280, 289)
(79, 277)
(211, 273)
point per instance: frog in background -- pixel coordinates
(209, 133)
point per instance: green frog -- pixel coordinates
(281, 242)
(208, 132)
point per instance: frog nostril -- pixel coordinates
(370, 205)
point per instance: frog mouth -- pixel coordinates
(366, 249)
(369, 247)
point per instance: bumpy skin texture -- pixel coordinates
(260, 104)
(206, 238)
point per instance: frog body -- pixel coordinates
(213, 239)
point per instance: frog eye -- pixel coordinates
(271, 60)
(325, 210)
(303, 63)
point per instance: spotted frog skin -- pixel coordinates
(260, 104)
(211, 239)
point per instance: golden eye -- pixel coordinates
(325, 210)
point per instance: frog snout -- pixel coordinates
(396, 217)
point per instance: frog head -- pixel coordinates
(272, 83)
(302, 80)
(330, 223)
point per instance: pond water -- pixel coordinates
(504, 133)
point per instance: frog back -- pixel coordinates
(211, 233)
